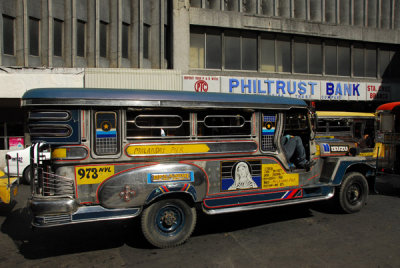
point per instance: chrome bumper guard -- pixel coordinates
(85, 214)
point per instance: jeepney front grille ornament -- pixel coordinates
(127, 194)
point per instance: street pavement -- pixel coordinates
(294, 236)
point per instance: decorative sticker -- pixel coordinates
(268, 127)
(240, 176)
(165, 149)
(170, 177)
(93, 174)
(339, 148)
(274, 176)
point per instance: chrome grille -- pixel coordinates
(51, 184)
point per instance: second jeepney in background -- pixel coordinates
(388, 137)
(105, 154)
(356, 129)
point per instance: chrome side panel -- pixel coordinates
(134, 187)
(85, 214)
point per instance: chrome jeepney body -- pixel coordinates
(116, 153)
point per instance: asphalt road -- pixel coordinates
(295, 236)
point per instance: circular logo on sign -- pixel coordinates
(105, 126)
(201, 86)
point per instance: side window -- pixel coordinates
(296, 121)
(166, 124)
(357, 129)
(268, 132)
(106, 133)
(224, 124)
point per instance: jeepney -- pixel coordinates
(388, 137)
(354, 128)
(164, 156)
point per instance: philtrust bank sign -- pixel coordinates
(293, 88)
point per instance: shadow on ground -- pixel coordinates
(63, 240)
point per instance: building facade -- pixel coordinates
(342, 54)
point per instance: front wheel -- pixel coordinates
(26, 176)
(168, 223)
(352, 194)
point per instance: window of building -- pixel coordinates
(370, 61)
(213, 4)
(34, 36)
(385, 58)
(330, 58)
(57, 37)
(125, 40)
(197, 49)
(249, 52)
(232, 51)
(195, 3)
(103, 39)
(283, 54)
(146, 41)
(286, 53)
(80, 39)
(214, 47)
(8, 35)
(300, 55)
(315, 56)
(268, 53)
(358, 60)
(343, 56)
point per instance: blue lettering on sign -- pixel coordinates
(301, 89)
(342, 89)
(355, 89)
(329, 88)
(326, 147)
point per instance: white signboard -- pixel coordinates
(292, 88)
(200, 83)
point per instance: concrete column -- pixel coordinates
(114, 34)
(385, 14)
(358, 11)
(20, 33)
(136, 29)
(25, 33)
(92, 33)
(48, 51)
(396, 17)
(268, 7)
(181, 35)
(155, 35)
(316, 10)
(284, 9)
(372, 11)
(330, 11)
(300, 9)
(344, 12)
(68, 36)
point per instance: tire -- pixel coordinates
(168, 223)
(352, 194)
(26, 176)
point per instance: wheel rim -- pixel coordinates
(354, 193)
(170, 219)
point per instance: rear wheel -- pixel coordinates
(168, 223)
(352, 194)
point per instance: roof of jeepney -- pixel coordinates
(388, 106)
(342, 114)
(152, 98)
